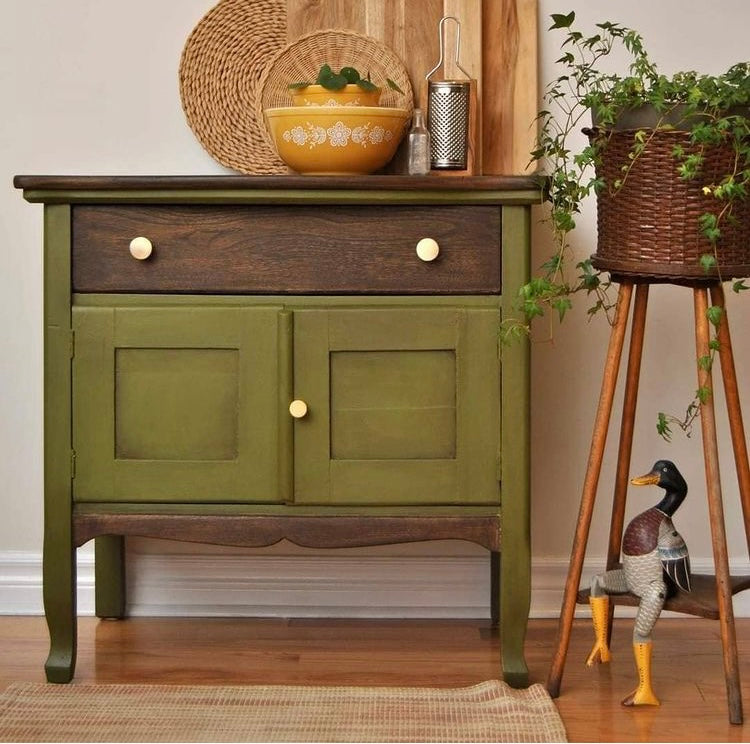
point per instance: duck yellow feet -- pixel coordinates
(600, 615)
(643, 694)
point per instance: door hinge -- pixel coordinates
(72, 464)
(72, 344)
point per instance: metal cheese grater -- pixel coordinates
(448, 103)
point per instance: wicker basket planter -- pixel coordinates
(649, 227)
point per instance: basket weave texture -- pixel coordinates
(222, 63)
(302, 59)
(650, 226)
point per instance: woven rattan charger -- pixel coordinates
(640, 249)
(221, 65)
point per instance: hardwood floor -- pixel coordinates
(688, 673)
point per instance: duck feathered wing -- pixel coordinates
(674, 555)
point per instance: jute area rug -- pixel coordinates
(490, 711)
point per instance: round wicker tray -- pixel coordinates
(222, 63)
(303, 58)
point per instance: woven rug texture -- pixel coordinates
(490, 711)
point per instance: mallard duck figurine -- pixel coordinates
(655, 562)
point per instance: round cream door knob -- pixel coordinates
(141, 248)
(298, 409)
(428, 249)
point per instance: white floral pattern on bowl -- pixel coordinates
(328, 140)
(333, 102)
(338, 135)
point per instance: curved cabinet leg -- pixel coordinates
(59, 567)
(515, 600)
(110, 577)
(60, 604)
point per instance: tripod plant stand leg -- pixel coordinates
(627, 425)
(593, 470)
(716, 510)
(734, 410)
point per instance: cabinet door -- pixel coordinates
(403, 406)
(176, 404)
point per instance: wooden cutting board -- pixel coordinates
(498, 50)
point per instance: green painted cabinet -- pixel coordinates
(273, 359)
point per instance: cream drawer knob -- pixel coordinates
(428, 249)
(141, 248)
(298, 409)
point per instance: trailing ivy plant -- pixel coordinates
(713, 108)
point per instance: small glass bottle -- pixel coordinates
(419, 146)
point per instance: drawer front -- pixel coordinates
(290, 249)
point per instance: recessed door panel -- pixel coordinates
(176, 404)
(403, 406)
(382, 408)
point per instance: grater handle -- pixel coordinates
(441, 61)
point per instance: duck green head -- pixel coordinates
(664, 473)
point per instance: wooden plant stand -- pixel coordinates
(712, 595)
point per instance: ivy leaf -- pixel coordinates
(663, 428)
(562, 305)
(559, 20)
(714, 314)
(703, 393)
(393, 85)
(739, 286)
(708, 262)
(298, 86)
(705, 362)
(367, 85)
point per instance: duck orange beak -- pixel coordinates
(650, 479)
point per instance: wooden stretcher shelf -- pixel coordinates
(701, 601)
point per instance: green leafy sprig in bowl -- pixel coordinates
(336, 81)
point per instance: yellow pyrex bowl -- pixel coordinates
(349, 95)
(336, 140)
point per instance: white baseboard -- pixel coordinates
(21, 583)
(229, 584)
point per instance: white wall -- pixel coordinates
(90, 87)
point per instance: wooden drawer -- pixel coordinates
(287, 249)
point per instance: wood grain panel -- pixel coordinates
(235, 188)
(414, 37)
(498, 49)
(305, 16)
(510, 100)
(289, 250)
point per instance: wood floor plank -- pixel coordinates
(688, 673)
